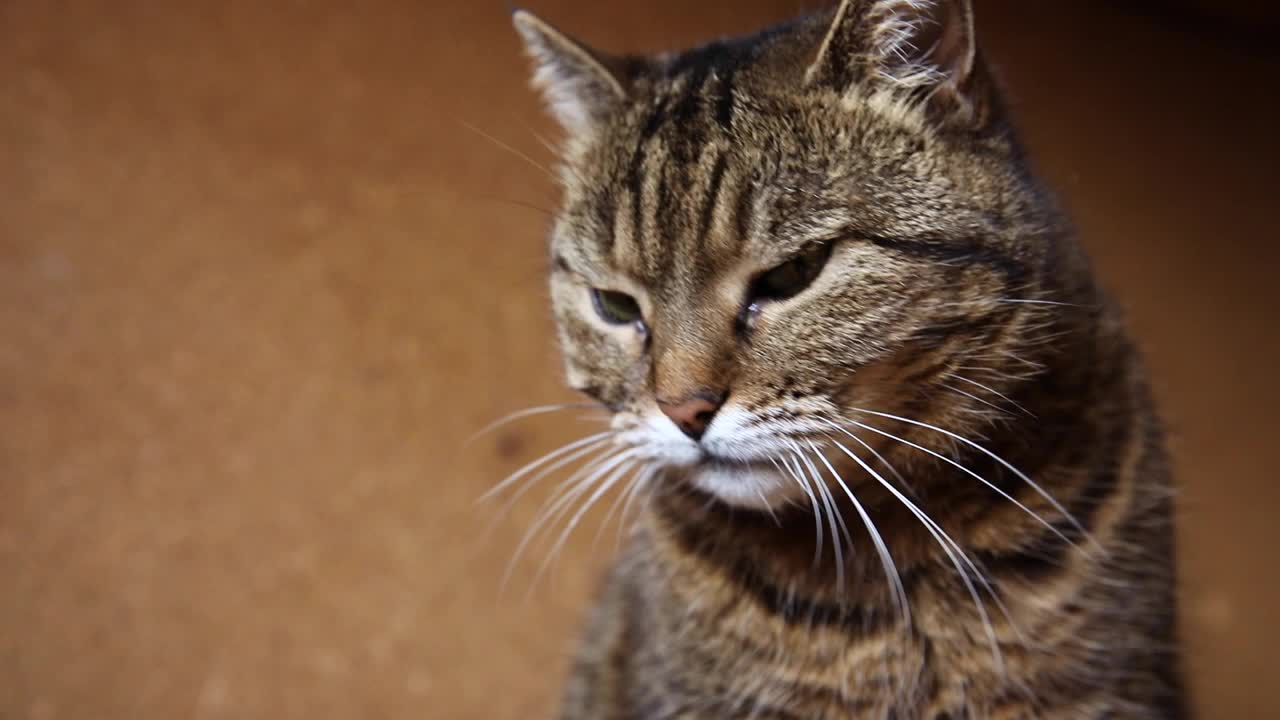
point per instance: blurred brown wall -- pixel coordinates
(1244, 14)
(258, 283)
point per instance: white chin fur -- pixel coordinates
(752, 487)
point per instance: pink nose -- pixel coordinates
(693, 414)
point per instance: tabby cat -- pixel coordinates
(900, 457)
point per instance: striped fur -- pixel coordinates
(954, 354)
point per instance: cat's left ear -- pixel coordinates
(582, 86)
(920, 46)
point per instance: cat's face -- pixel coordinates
(747, 259)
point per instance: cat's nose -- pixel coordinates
(694, 413)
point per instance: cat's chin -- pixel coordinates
(752, 486)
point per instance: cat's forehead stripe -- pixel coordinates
(679, 173)
(678, 236)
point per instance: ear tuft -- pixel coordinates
(913, 45)
(582, 87)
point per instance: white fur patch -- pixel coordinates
(734, 462)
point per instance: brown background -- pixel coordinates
(258, 283)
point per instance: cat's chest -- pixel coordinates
(699, 676)
(743, 659)
(705, 643)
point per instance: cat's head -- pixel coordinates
(763, 239)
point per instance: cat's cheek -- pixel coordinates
(574, 376)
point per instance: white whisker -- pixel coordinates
(600, 448)
(617, 503)
(970, 473)
(518, 414)
(638, 485)
(817, 514)
(976, 399)
(627, 464)
(1041, 491)
(574, 486)
(886, 559)
(833, 518)
(571, 489)
(601, 451)
(997, 393)
(596, 439)
(505, 146)
(995, 373)
(892, 470)
(1026, 301)
(764, 503)
(946, 543)
(981, 577)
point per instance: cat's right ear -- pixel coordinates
(582, 86)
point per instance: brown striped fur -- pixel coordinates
(955, 295)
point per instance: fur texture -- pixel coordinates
(949, 417)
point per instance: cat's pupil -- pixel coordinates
(614, 307)
(791, 277)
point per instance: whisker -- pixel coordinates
(784, 473)
(518, 414)
(555, 150)
(886, 559)
(764, 503)
(1027, 301)
(523, 156)
(544, 142)
(997, 393)
(639, 485)
(617, 503)
(892, 575)
(972, 474)
(981, 577)
(996, 373)
(559, 505)
(945, 542)
(1010, 355)
(975, 398)
(593, 440)
(813, 502)
(569, 489)
(881, 459)
(833, 518)
(651, 492)
(604, 487)
(518, 203)
(600, 448)
(577, 483)
(831, 501)
(602, 453)
(1041, 491)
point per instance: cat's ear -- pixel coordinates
(582, 86)
(924, 46)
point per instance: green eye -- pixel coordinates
(616, 308)
(791, 277)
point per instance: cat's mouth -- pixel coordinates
(711, 461)
(751, 483)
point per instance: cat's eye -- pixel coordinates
(791, 277)
(616, 308)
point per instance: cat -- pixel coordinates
(901, 456)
